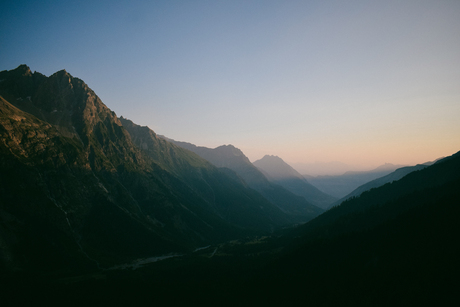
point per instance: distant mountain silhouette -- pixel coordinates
(396, 175)
(231, 157)
(279, 172)
(321, 168)
(341, 185)
(372, 248)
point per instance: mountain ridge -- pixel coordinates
(393, 176)
(341, 185)
(233, 158)
(285, 175)
(71, 168)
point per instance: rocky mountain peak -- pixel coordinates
(230, 149)
(63, 76)
(70, 106)
(231, 154)
(23, 70)
(62, 93)
(276, 167)
(272, 158)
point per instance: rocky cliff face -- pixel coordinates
(61, 199)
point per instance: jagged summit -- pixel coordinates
(23, 70)
(63, 74)
(22, 67)
(229, 146)
(276, 167)
(272, 158)
(230, 151)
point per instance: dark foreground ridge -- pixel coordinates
(394, 245)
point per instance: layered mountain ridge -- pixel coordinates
(79, 183)
(341, 185)
(233, 158)
(394, 176)
(390, 245)
(283, 174)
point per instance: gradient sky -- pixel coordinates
(361, 82)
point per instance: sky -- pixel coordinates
(358, 82)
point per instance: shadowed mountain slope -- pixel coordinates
(445, 171)
(396, 175)
(77, 190)
(393, 245)
(341, 185)
(233, 158)
(279, 172)
(215, 186)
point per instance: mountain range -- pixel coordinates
(392, 245)
(95, 209)
(281, 173)
(396, 175)
(79, 183)
(341, 185)
(228, 156)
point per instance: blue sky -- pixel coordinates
(361, 82)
